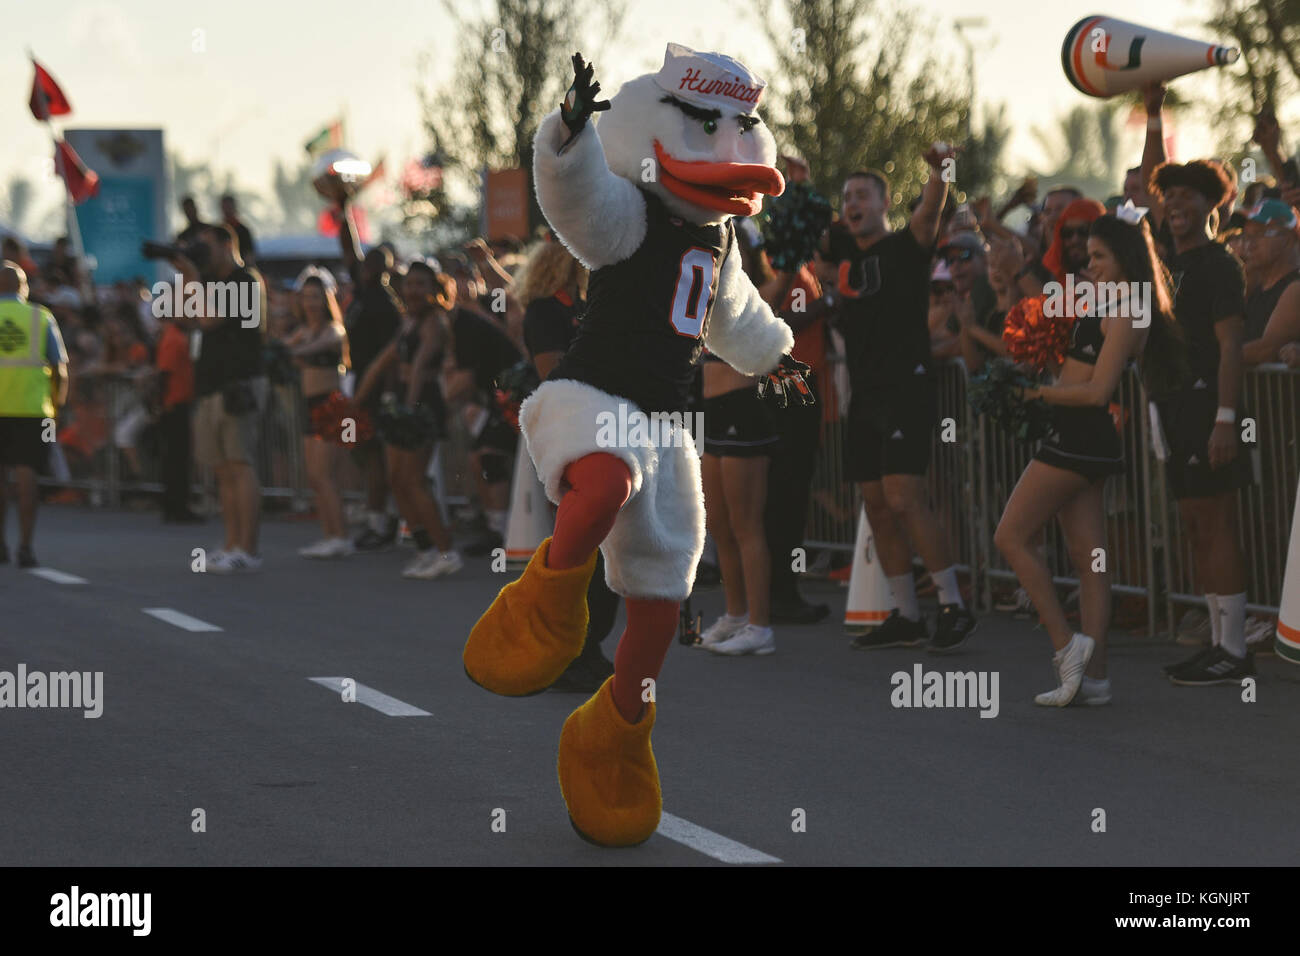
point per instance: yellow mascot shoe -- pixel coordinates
(608, 774)
(533, 630)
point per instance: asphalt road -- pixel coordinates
(230, 721)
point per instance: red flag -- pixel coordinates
(82, 182)
(47, 99)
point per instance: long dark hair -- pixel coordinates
(1164, 360)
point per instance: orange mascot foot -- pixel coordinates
(608, 774)
(533, 630)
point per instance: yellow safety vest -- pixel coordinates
(24, 372)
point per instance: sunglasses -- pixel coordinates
(1074, 232)
(958, 255)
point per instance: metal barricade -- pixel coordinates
(1271, 401)
(972, 477)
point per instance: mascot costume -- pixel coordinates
(644, 199)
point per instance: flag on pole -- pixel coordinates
(331, 137)
(82, 181)
(47, 99)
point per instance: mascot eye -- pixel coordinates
(710, 126)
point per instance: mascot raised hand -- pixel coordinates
(643, 197)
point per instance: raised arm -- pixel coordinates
(925, 220)
(1153, 151)
(599, 216)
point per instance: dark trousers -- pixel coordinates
(789, 487)
(174, 437)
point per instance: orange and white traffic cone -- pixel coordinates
(869, 599)
(531, 518)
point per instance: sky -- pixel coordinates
(245, 82)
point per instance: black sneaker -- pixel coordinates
(896, 631)
(1219, 667)
(26, 559)
(371, 540)
(955, 625)
(797, 612)
(1192, 662)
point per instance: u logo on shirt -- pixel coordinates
(858, 279)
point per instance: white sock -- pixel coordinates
(946, 582)
(736, 618)
(1232, 634)
(496, 520)
(903, 588)
(1216, 623)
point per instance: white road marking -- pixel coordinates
(58, 577)
(175, 617)
(709, 843)
(373, 698)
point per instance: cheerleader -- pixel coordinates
(418, 353)
(1068, 474)
(319, 347)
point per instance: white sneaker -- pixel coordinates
(328, 548)
(241, 562)
(1092, 692)
(750, 639)
(1258, 630)
(720, 630)
(217, 560)
(434, 564)
(1072, 660)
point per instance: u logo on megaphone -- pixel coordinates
(1103, 56)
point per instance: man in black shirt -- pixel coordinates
(193, 224)
(1206, 461)
(372, 320)
(231, 389)
(884, 283)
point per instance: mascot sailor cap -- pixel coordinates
(710, 80)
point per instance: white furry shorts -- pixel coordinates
(657, 539)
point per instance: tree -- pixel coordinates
(512, 69)
(855, 88)
(1268, 35)
(1089, 139)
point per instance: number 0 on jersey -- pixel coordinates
(694, 290)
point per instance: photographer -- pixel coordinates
(230, 386)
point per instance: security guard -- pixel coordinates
(33, 383)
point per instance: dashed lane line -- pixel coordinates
(184, 621)
(373, 698)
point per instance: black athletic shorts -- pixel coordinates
(1085, 442)
(738, 424)
(1187, 419)
(890, 430)
(21, 443)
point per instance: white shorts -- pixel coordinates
(655, 544)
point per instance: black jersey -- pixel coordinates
(885, 315)
(1209, 286)
(643, 330)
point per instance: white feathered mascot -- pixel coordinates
(644, 199)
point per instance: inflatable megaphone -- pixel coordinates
(1103, 56)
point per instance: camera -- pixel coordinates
(196, 252)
